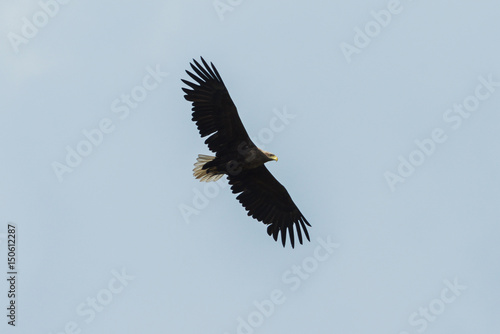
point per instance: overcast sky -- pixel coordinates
(385, 118)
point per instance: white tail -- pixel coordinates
(205, 175)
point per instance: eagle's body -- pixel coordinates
(236, 156)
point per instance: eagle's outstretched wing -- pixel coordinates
(267, 200)
(213, 110)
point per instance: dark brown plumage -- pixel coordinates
(260, 193)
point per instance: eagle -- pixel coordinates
(237, 157)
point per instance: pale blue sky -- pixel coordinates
(390, 150)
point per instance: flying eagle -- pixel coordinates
(236, 156)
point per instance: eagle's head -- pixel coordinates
(270, 156)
